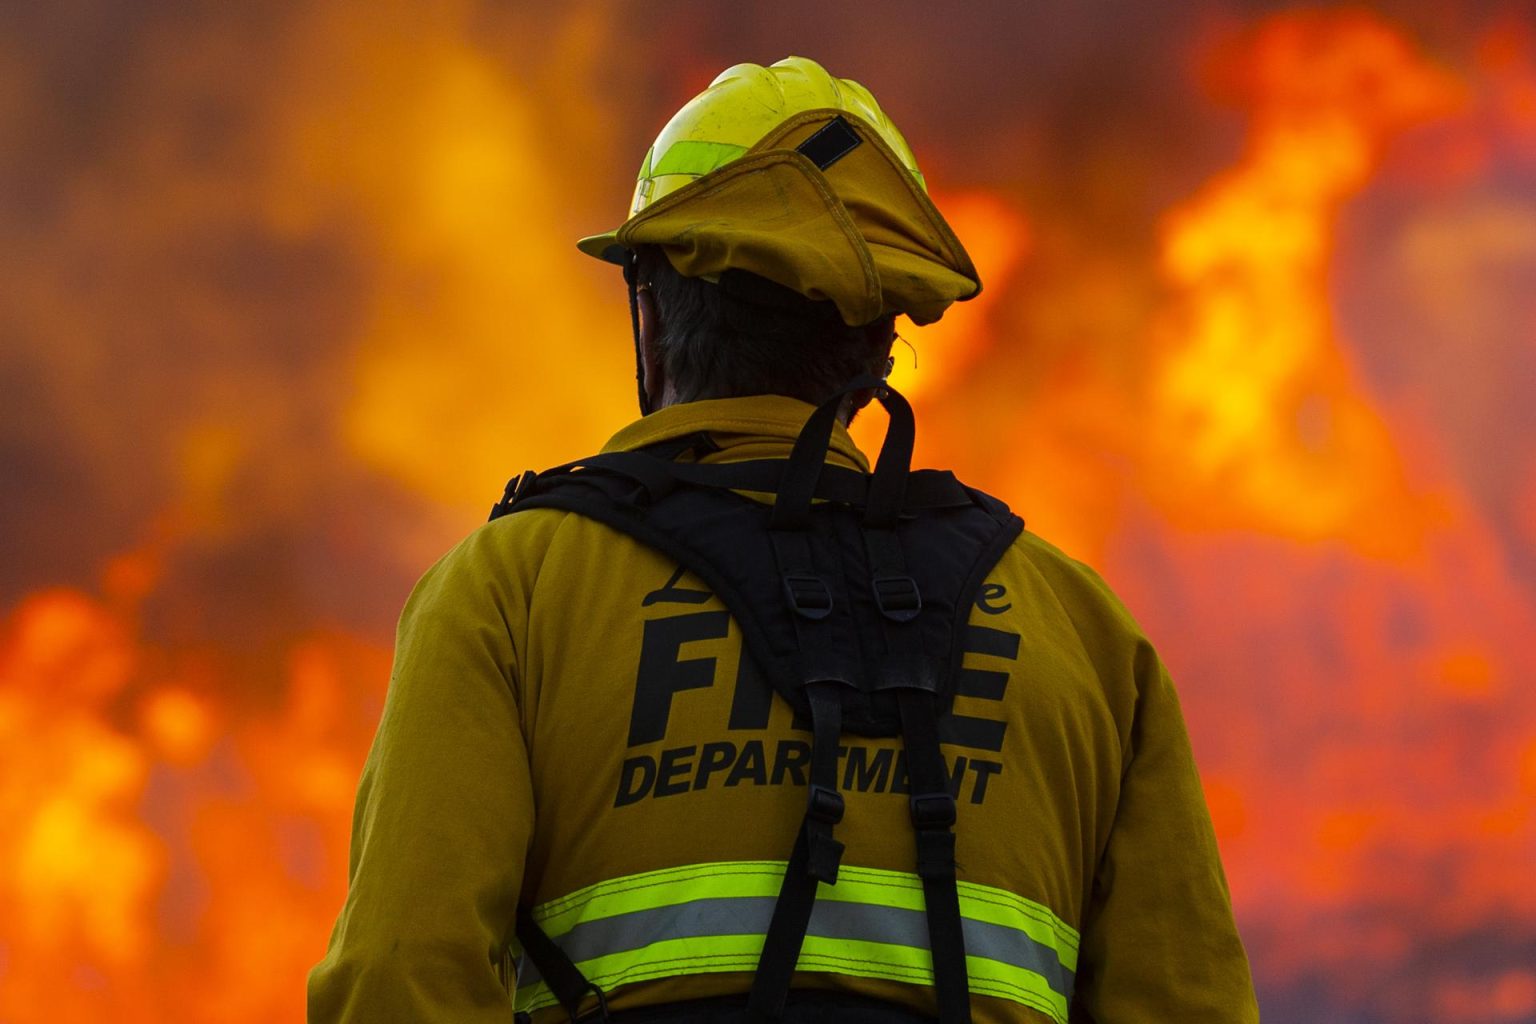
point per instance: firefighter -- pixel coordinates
(724, 723)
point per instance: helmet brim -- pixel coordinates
(605, 247)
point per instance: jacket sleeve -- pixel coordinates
(1159, 940)
(443, 817)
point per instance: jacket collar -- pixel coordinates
(757, 427)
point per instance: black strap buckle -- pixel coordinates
(824, 804)
(933, 811)
(598, 1012)
(808, 595)
(898, 597)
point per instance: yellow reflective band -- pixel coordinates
(666, 887)
(722, 954)
(977, 902)
(710, 918)
(692, 156)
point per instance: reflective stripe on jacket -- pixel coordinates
(710, 918)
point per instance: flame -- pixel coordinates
(465, 182)
(1258, 415)
(324, 268)
(997, 238)
(932, 361)
(1386, 745)
(1505, 59)
(164, 847)
(179, 725)
(80, 869)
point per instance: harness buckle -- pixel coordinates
(598, 1012)
(808, 595)
(898, 597)
(824, 804)
(932, 811)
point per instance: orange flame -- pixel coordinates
(77, 868)
(941, 354)
(247, 823)
(1258, 417)
(176, 829)
(466, 182)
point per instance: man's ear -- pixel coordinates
(654, 380)
(881, 337)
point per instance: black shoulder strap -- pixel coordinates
(805, 586)
(932, 804)
(933, 820)
(562, 976)
(899, 600)
(816, 853)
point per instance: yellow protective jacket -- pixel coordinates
(568, 725)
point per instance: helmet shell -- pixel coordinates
(728, 184)
(742, 105)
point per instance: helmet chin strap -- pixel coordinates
(631, 278)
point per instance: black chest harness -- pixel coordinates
(853, 606)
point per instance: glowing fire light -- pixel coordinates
(1351, 639)
(1257, 410)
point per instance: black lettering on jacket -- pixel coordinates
(792, 759)
(969, 730)
(715, 757)
(670, 592)
(984, 770)
(990, 593)
(635, 780)
(862, 773)
(678, 770)
(753, 699)
(750, 766)
(672, 776)
(661, 673)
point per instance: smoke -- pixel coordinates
(290, 291)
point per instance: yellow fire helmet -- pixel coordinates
(798, 177)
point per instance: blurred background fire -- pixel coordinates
(287, 291)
